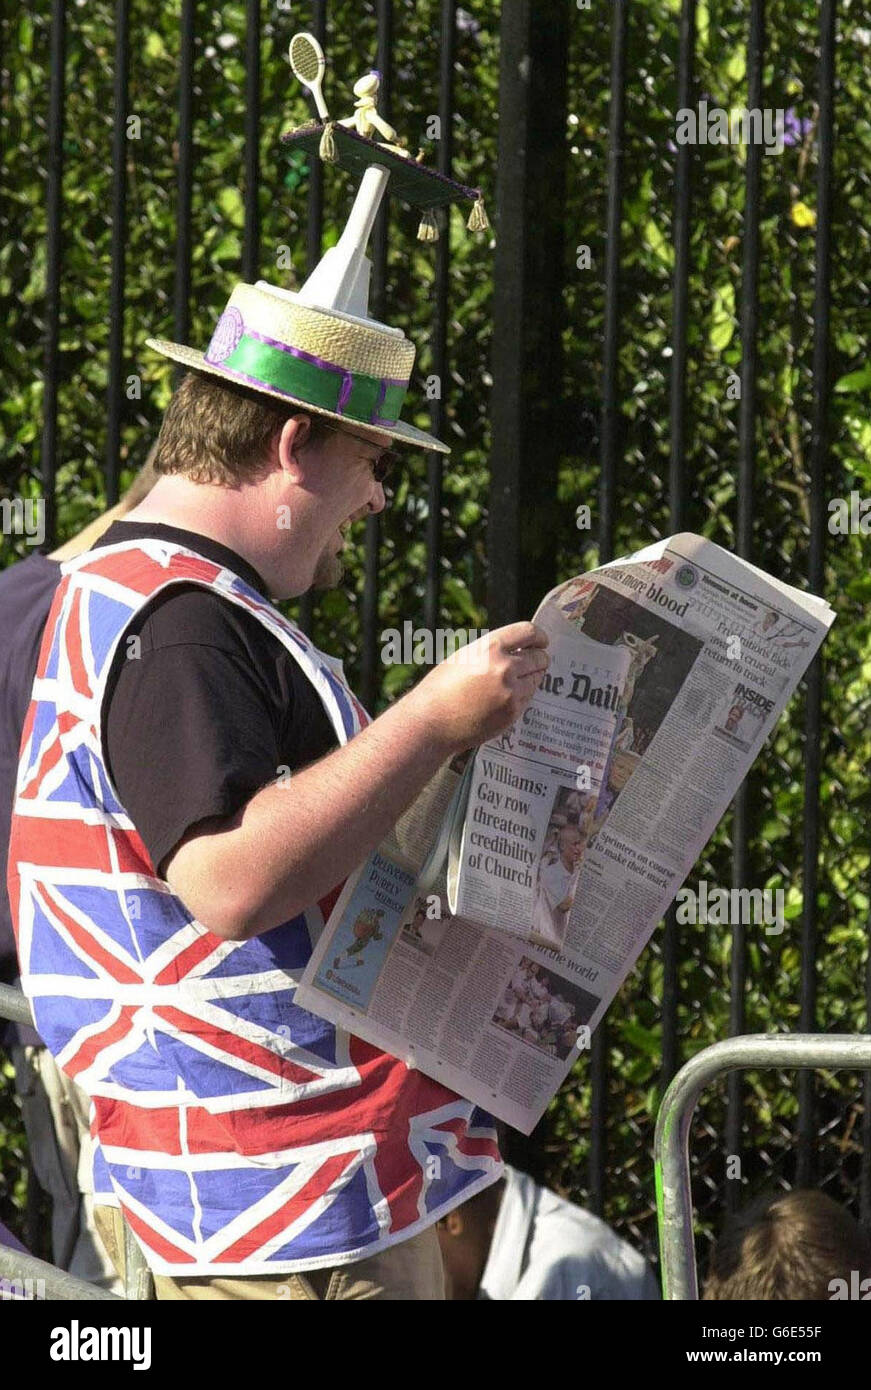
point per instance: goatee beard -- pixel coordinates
(329, 571)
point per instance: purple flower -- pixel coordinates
(225, 338)
(466, 23)
(795, 128)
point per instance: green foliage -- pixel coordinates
(781, 539)
(783, 436)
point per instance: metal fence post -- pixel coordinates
(138, 1279)
(527, 307)
(14, 1006)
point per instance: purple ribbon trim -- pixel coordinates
(376, 418)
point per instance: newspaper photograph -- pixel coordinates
(588, 819)
(533, 792)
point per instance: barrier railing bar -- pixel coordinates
(15, 1007)
(314, 246)
(17, 1267)
(138, 1279)
(369, 667)
(680, 291)
(677, 484)
(835, 1051)
(183, 252)
(609, 425)
(119, 238)
(865, 1158)
(609, 445)
(53, 253)
(251, 244)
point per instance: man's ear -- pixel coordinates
(293, 436)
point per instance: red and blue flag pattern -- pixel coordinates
(238, 1132)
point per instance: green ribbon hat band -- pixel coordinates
(262, 361)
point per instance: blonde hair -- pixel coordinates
(790, 1246)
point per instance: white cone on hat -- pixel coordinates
(318, 348)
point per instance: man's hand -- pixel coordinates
(482, 689)
(294, 841)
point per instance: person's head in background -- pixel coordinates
(790, 1246)
(465, 1236)
(142, 484)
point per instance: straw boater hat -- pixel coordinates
(332, 363)
(318, 348)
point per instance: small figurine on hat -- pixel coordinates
(318, 347)
(366, 119)
(349, 143)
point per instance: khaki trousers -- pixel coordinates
(409, 1272)
(55, 1115)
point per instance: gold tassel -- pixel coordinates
(428, 229)
(478, 219)
(327, 148)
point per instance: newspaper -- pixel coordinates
(485, 939)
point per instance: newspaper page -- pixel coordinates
(710, 650)
(533, 792)
(718, 648)
(394, 966)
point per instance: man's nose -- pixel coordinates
(378, 501)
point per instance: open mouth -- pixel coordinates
(343, 532)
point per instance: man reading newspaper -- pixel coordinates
(196, 781)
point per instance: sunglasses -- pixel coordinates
(383, 466)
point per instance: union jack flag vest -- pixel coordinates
(240, 1134)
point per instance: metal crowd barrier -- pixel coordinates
(22, 1270)
(832, 1051)
(25, 1276)
(14, 1006)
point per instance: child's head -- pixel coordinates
(785, 1247)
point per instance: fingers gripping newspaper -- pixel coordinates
(486, 937)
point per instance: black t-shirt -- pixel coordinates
(212, 709)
